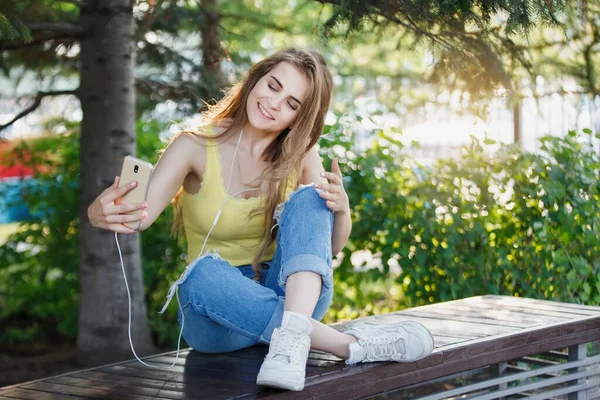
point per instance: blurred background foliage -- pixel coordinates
(498, 220)
(495, 219)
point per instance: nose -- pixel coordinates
(275, 102)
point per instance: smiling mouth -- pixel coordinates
(264, 112)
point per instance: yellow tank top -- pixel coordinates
(235, 238)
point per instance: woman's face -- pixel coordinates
(274, 102)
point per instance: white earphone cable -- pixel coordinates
(129, 326)
(217, 216)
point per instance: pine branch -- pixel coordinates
(36, 103)
(173, 90)
(258, 21)
(176, 56)
(80, 3)
(402, 17)
(48, 31)
(59, 28)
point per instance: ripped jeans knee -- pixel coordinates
(281, 206)
(188, 270)
(304, 237)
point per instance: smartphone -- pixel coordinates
(138, 170)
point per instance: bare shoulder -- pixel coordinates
(311, 158)
(191, 137)
(187, 144)
(311, 167)
(190, 150)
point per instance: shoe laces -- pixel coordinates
(286, 346)
(382, 347)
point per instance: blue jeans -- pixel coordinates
(226, 309)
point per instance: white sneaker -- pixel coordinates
(285, 364)
(404, 341)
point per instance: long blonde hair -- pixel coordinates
(284, 154)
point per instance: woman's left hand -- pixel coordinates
(334, 193)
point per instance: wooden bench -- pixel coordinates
(487, 347)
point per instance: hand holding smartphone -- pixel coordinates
(140, 171)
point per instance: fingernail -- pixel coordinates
(323, 174)
(316, 185)
(116, 177)
(144, 215)
(144, 206)
(133, 183)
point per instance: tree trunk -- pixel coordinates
(107, 135)
(517, 123)
(212, 52)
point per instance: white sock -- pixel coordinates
(296, 323)
(356, 353)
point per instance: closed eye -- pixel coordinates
(292, 105)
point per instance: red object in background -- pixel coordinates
(14, 171)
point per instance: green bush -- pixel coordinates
(39, 263)
(504, 221)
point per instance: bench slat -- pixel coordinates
(59, 389)
(503, 314)
(118, 389)
(470, 334)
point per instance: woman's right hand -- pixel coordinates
(104, 213)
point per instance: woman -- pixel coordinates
(269, 276)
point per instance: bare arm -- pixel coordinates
(342, 226)
(312, 168)
(168, 176)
